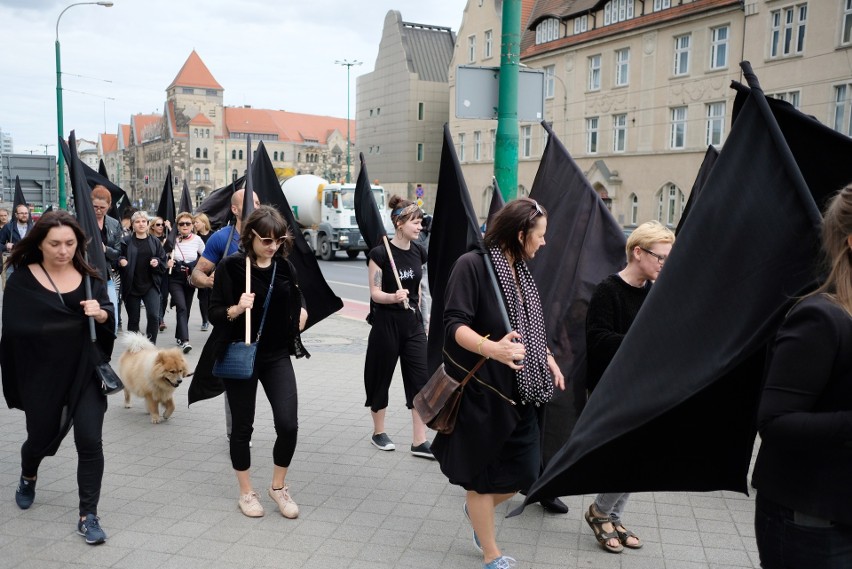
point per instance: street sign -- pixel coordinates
(478, 88)
(419, 191)
(419, 202)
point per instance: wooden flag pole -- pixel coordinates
(248, 290)
(395, 272)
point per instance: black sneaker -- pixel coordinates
(186, 346)
(423, 450)
(205, 326)
(90, 529)
(25, 493)
(382, 442)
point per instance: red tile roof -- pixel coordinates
(201, 120)
(194, 74)
(124, 130)
(292, 127)
(141, 122)
(109, 143)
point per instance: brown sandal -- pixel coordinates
(624, 535)
(603, 537)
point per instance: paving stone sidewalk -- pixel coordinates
(169, 496)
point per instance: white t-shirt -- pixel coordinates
(188, 250)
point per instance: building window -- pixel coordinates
(547, 30)
(241, 154)
(471, 49)
(670, 201)
(461, 147)
(592, 135)
(662, 5)
(378, 149)
(477, 145)
(206, 133)
(595, 73)
(842, 115)
(617, 11)
(581, 24)
(204, 153)
(677, 139)
(493, 143)
(619, 132)
(847, 22)
(206, 175)
(233, 154)
(421, 111)
(719, 47)
(275, 155)
(489, 44)
(549, 81)
(681, 54)
(195, 132)
(420, 152)
(715, 124)
(622, 66)
(234, 175)
(526, 141)
(198, 174)
(788, 30)
(198, 153)
(634, 209)
(791, 97)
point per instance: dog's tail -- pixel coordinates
(135, 342)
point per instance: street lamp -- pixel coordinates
(61, 158)
(348, 64)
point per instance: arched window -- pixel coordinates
(234, 175)
(206, 175)
(670, 202)
(195, 132)
(207, 133)
(198, 174)
(241, 154)
(634, 209)
(233, 154)
(205, 153)
(275, 155)
(198, 153)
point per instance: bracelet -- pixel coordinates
(479, 346)
(549, 353)
(228, 314)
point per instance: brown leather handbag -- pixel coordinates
(438, 402)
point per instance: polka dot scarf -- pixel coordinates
(535, 383)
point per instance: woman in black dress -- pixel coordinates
(493, 452)
(48, 359)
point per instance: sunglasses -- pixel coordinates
(267, 241)
(158, 225)
(537, 211)
(184, 223)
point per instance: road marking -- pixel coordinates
(346, 284)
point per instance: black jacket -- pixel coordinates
(9, 232)
(129, 252)
(113, 239)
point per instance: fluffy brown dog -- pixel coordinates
(151, 373)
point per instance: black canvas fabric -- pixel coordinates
(703, 173)
(185, 199)
(102, 168)
(166, 208)
(366, 211)
(217, 206)
(120, 200)
(497, 202)
(455, 231)
(320, 300)
(248, 195)
(675, 410)
(19, 195)
(584, 245)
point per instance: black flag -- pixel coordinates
(497, 201)
(248, 195)
(217, 206)
(185, 199)
(703, 173)
(320, 300)
(120, 200)
(367, 214)
(19, 195)
(678, 401)
(102, 169)
(584, 245)
(166, 208)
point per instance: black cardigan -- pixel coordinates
(805, 414)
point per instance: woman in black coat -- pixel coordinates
(493, 452)
(142, 262)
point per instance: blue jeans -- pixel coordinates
(788, 540)
(612, 504)
(152, 311)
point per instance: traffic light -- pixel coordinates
(146, 179)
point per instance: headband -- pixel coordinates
(410, 208)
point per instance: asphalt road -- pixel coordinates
(347, 277)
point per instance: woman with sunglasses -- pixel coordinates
(142, 262)
(188, 247)
(265, 240)
(614, 305)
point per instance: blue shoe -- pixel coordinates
(25, 493)
(90, 528)
(501, 562)
(475, 537)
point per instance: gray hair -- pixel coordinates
(138, 215)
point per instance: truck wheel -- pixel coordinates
(353, 254)
(325, 250)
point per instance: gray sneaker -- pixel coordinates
(382, 442)
(423, 450)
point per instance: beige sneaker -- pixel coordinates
(250, 505)
(288, 507)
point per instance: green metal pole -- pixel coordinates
(60, 160)
(506, 151)
(348, 144)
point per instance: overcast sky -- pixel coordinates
(118, 61)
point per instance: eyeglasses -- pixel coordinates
(158, 225)
(536, 211)
(660, 258)
(184, 223)
(267, 241)
(100, 207)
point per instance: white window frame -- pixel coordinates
(477, 145)
(681, 54)
(547, 30)
(787, 34)
(471, 49)
(634, 209)
(846, 24)
(842, 119)
(592, 134)
(581, 24)
(719, 46)
(616, 11)
(715, 127)
(622, 67)
(677, 133)
(526, 141)
(461, 147)
(489, 44)
(595, 72)
(662, 5)
(792, 97)
(619, 132)
(549, 81)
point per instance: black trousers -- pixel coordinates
(152, 310)
(164, 296)
(275, 373)
(182, 294)
(204, 303)
(396, 334)
(43, 427)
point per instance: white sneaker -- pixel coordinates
(250, 505)
(288, 507)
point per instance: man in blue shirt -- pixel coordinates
(221, 244)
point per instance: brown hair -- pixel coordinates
(266, 222)
(517, 216)
(99, 192)
(27, 250)
(836, 231)
(183, 214)
(403, 210)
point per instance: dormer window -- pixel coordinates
(617, 11)
(581, 24)
(547, 30)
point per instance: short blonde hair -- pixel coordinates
(646, 235)
(205, 221)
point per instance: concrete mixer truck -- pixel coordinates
(326, 214)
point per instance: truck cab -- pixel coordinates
(338, 218)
